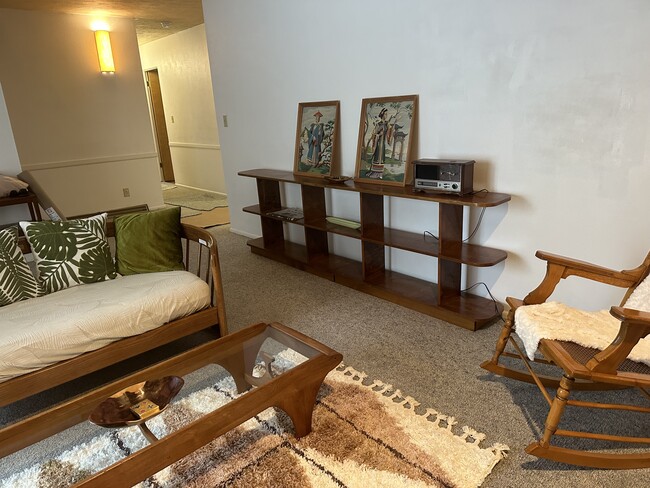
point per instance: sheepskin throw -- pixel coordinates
(557, 321)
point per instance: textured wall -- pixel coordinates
(551, 98)
(186, 85)
(65, 113)
(9, 165)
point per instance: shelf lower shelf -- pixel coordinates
(470, 254)
(465, 309)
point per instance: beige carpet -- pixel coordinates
(365, 434)
(435, 362)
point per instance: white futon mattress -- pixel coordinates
(41, 331)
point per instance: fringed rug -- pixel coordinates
(193, 198)
(216, 216)
(365, 434)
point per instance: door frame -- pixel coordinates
(159, 124)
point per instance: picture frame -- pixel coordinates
(387, 130)
(317, 137)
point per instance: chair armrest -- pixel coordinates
(633, 316)
(589, 270)
(561, 267)
(203, 238)
(635, 325)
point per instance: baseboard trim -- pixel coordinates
(244, 233)
(202, 189)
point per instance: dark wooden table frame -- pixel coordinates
(293, 391)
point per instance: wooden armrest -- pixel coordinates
(204, 238)
(633, 316)
(635, 325)
(580, 266)
(561, 267)
(197, 234)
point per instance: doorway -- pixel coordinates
(160, 125)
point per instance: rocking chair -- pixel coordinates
(621, 361)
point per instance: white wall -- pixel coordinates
(551, 98)
(186, 85)
(9, 165)
(65, 114)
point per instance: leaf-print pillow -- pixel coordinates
(70, 252)
(16, 279)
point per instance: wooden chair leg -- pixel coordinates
(506, 332)
(493, 365)
(593, 459)
(557, 409)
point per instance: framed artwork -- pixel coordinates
(317, 135)
(386, 132)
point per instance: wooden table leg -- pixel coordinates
(300, 406)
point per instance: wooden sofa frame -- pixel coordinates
(200, 257)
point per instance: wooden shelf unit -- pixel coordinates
(443, 299)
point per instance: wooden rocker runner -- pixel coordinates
(618, 356)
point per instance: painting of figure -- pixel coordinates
(316, 138)
(386, 131)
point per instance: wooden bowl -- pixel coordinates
(338, 179)
(118, 410)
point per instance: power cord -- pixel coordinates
(480, 217)
(478, 223)
(494, 300)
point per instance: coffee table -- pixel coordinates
(248, 355)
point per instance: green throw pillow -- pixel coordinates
(16, 279)
(70, 252)
(149, 242)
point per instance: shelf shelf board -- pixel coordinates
(467, 310)
(464, 253)
(256, 209)
(296, 255)
(470, 254)
(318, 224)
(479, 199)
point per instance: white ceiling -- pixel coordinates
(149, 15)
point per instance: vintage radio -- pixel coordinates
(443, 175)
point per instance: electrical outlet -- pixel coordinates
(225, 121)
(126, 192)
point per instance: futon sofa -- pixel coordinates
(67, 333)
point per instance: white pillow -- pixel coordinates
(70, 252)
(9, 184)
(16, 279)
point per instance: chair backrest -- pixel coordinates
(640, 298)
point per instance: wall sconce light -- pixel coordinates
(104, 52)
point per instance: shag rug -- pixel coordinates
(194, 199)
(365, 434)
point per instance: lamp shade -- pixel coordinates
(104, 51)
